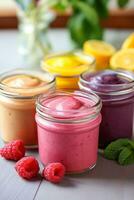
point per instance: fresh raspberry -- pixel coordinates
(27, 167)
(54, 172)
(13, 151)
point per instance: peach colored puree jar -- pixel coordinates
(68, 129)
(18, 91)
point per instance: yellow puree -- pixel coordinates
(67, 68)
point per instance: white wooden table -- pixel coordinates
(108, 181)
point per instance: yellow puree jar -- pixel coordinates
(67, 67)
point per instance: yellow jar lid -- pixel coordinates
(68, 64)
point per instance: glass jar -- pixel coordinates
(33, 35)
(68, 129)
(116, 89)
(17, 103)
(67, 67)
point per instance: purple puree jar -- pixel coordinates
(116, 89)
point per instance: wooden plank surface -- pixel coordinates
(12, 187)
(108, 181)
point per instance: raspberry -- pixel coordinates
(27, 167)
(13, 151)
(54, 172)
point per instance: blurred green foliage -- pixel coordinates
(84, 23)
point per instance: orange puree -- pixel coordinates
(17, 104)
(22, 81)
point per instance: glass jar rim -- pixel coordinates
(78, 53)
(24, 93)
(40, 108)
(117, 89)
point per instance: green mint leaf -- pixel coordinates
(126, 156)
(131, 143)
(113, 150)
(122, 3)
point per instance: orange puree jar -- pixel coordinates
(67, 67)
(18, 91)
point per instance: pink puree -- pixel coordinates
(75, 145)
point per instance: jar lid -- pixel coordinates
(108, 82)
(68, 63)
(25, 83)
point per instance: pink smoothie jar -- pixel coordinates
(68, 129)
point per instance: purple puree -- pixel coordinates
(117, 111)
